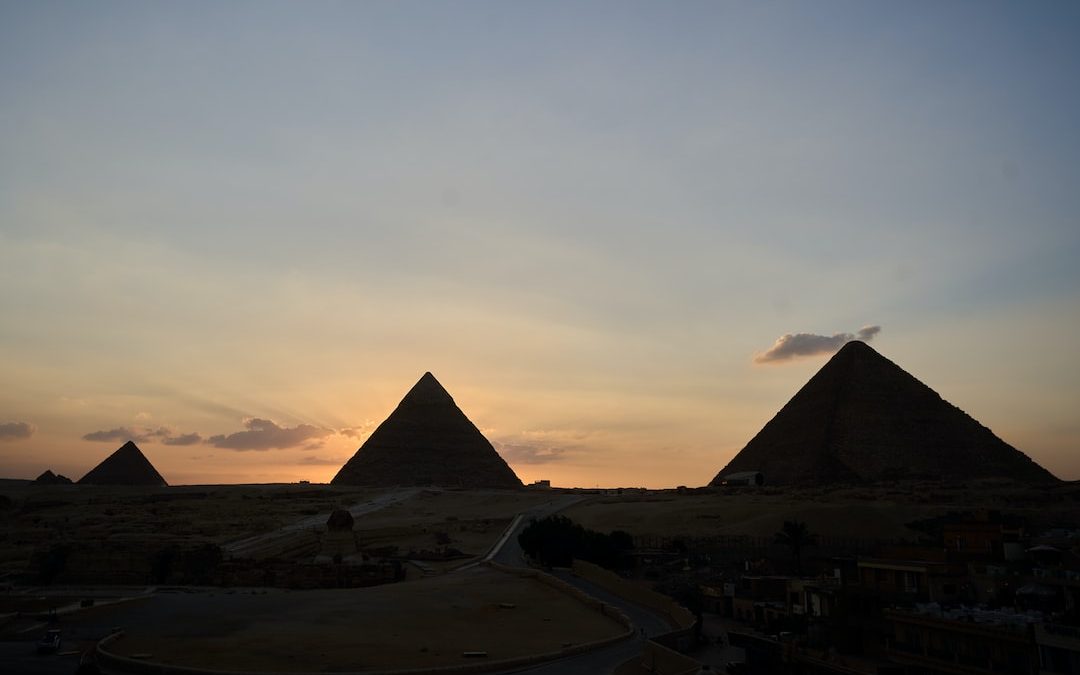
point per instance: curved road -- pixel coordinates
(606, 659)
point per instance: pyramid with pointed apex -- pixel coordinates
(126, 466)
(863, 419)
(50, 478)
(427, 440)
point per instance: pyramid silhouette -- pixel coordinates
(427, 440)
(126, 466)
(862, 419)
(50, 478)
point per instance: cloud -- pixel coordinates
(122, 434)
(15, 431)
(183, 439)
(791, 345)
(515, 453)
(263, 434)
(867, 333)
(320, 461)
(119, 434)
(540, 446)
(354, 432)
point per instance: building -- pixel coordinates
(918, 576)
(930, 641)
(1059, 648)
(743, 478)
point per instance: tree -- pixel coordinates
(161, 565)
(552, 540)
(796, 536)
(53, 564)
(556, 541)
(199, 565)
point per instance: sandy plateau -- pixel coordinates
(871, 513)
(427, 622)
(443, 607)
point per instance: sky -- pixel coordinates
(621, 234)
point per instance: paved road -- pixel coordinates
(250, 545)
(21, 658)
(510, 553)
(79, 632)
(601, 660)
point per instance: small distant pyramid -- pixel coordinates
(862, 419)
(50, 478)
(126, 466)
(427, 440)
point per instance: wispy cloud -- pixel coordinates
(16, 431)
(119, 434)
(538, 446)
(122, 434)
(793, 345)
(356, 432)
(260, 434)
(516, 453)
(321, 461)
(183, 439)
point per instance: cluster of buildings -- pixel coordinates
(987, 597)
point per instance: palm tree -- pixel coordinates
(795, 535)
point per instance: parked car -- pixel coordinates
(49, 642)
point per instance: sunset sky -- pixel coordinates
(239, 232)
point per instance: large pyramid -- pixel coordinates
(427, 440)
(126, 466)
(863, 419)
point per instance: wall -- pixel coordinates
(679, 617)
(659, 660)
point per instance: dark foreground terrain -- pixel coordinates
(902, 578)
